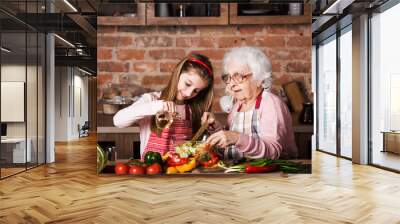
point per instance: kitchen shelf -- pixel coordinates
(135, 17)
(152, 19)
(235, 18)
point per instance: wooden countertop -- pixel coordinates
(115, 130)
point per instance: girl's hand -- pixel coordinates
(208, 117)
(169, 107)
(222, 139)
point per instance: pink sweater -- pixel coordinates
(140, 113)
(276, 137)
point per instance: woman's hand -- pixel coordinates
(223, 139)
(208, 117)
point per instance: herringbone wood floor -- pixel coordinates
(69, 191)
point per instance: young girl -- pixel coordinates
(189, 94)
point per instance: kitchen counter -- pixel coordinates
(216, 172)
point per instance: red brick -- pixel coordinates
(112, 67)
(266, 41)
(171, 30)
(150, 80)
(299, 67)
(212, 54)
(301, 54)
(278, 54)
(113, 41)
(144, 67)
(251, 29)
(153, 41)
(106, 29)
(299, 41)
(229, 42)
(104, 54)
(183, 42)
(167, 54)
(187, 29)
(276, 66)
(195, 42)
(103, 79)
(279, 29)
(130, 54)
(137, 29)
(283, 79)
(167, 66)
(214, 30)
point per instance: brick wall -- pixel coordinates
(144, 57)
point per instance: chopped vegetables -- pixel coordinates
(189, 148)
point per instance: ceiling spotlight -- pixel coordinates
(65, 41)
(70, 5)
(5, 50)
(84, 71)
(338, 6)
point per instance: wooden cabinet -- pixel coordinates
(134, 17)
(222, 19)
(235, 18)
(145, 14)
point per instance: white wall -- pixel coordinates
(71, 94)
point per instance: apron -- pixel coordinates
(246, 122)
(179, 131)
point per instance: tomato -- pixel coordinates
(209, 159)
(121, 168)
(154, 169)
(175, 160)
(136, 169)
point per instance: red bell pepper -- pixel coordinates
(261, 169)
(212, 160)
(175, 160)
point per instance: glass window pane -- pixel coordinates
(41, 98)
(346, 94)
(13, 84)
(327, 96)
(31, 97)
(385, 84)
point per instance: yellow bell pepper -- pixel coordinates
(171, 170)
(187, 167)
(165, 156)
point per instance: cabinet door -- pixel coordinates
(235, 18)
(135, 16)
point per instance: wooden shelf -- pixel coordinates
(273, 19)
(138, 20)
(151, 19)
(228, 15)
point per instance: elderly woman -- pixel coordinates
(260, 122)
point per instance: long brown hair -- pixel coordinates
(202, 102)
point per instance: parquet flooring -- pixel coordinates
(69, 191)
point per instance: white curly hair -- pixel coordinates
(255, 59)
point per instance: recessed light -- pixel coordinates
(64, 40)
(70, 5)
(5, 50)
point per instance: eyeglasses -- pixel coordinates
(236, 77)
